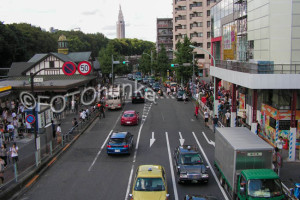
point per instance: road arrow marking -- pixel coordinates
(208, 141)
(152, 140)
(181, 140)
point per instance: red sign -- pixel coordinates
(69, 68)
(30, 119)
(84, 68)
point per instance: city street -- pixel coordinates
(85, 171)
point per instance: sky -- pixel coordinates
(91, 16)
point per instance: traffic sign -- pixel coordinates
(84, 68)
(30, 119)
(69, 68)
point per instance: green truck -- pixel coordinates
(244, 162)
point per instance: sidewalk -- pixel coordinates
(290, 171)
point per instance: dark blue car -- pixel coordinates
(120, 143)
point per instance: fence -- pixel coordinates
(33, 162)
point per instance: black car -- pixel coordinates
(155, 86)
(129, 76)
(120, 143)
(200, 197)
(137, 97)
(180, 94)
(189, 164)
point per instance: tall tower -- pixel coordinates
(120, 25)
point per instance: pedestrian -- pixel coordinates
(215, 122)
(58, 134)
(196, 109)
(74, 122)
(168, 90)
(184, 97)
(3, 154)
(206, 118)
(15, 123)
(227, 115)
(102, 110)
(73, 102)
(277, 161)
(14, 153)
(53, 129)
(2, 170)
(280, 143)
(11, 130)
(28, 127)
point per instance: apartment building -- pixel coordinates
(256, 47)
(192, 19)
(164, 27)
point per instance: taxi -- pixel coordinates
(150, 183)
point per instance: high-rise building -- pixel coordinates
(164, 27)
(192, 19)
(120, 25)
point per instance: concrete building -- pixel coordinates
(164, 31)
(192, 19)
(120, 25)
(256, 47)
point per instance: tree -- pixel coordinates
(184, 55)
(163, 61)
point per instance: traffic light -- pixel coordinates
(125, 62)
(174, 65)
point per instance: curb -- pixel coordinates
(27, 182)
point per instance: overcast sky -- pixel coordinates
(91, 16)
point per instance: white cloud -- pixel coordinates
(90, 16)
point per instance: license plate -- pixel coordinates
(117, 150)
(138, 98)
(128, 122)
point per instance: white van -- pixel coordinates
(115, 98)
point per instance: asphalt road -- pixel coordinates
(85, 171)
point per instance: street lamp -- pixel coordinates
(151, 60)
(214, 62)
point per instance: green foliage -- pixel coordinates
(184, 55)
(162, 62)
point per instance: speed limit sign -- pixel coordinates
(84, 68)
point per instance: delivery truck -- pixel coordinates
(244, 162)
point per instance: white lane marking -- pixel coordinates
(129, 183)
(212, 171)
(162, 116)
(171, 168)
(152, 140)
(95, 159)
(208, 141)
(181, 140)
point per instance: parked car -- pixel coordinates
(137, 97)
(150, 81)
(145, 80)
(120, 143)
(200, 197)
(150, 183)
(179, 96)
(138, 78)
(189, 164)
(130, 117)
(129, 76)
(155, 86)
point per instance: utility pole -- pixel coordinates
(112, 70)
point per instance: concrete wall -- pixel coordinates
(269, 25)
(296, 32)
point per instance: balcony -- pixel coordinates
(165, 25)
(165, 41)
(260, 75)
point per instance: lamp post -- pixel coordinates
(151, 60)
(214, 62)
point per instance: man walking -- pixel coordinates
(227, 115)
(206, 118)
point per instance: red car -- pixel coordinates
(130, 117)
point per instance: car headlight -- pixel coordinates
(204, 175)
(183, 175)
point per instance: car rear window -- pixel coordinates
(128, 115)
(149, 184)
(117, 140)
(191, 159)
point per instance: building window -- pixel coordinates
(208, 2)
(208, 23)
(196, 4)
(208, 34)
(208, 13)
(199, 45)
(201, 56)
(208, 45)
(51, 64)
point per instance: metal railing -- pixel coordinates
(259, 68)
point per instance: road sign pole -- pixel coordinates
(112, 70)
(33, 110)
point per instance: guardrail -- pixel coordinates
(33, 162)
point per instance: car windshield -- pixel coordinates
(156, 84)
(264, 188)
(113, 97)
(117, 140)
(128, 115)
(137, 94)
(180, 92)
(149, 184)
(190, 159)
